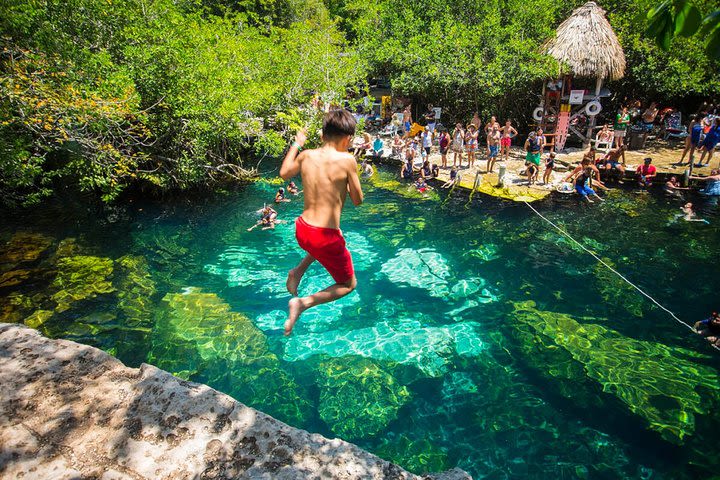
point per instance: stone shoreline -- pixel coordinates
(70, 411)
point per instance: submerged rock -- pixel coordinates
(660, 383)
(357, 397)
(198, 337)
(404, 341)
(81, 277)
(423, 268)
(23, 247)
(135, 290)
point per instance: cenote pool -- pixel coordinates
(478, 337)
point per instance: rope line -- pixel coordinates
(614, 271)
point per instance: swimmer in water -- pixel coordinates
(268, 218)
(689, 214)
(280, 196)
(367, 169)
(293, 189)
(672, 187)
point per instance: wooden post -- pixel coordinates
(591, 124)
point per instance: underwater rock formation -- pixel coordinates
(23, 247)
(423, 268)
(135, 291)
(72, 411)
(81, 277)
(198, 337)
(404, 341)
(660, 383)
(358, 398)
(615, 291)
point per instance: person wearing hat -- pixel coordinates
(646, 173)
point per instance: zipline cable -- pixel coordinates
(613, 270)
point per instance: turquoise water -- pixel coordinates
(478, 336)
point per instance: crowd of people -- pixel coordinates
(463, 142)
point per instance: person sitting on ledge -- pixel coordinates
(454, 178)
(646, 173)
(406, 172)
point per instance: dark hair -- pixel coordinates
(337, 124)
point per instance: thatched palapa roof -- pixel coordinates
(586, 43)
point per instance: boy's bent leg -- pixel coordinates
(296, 274)
(298, 305)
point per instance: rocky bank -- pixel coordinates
(70, 411)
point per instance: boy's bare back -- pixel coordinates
(328, 176)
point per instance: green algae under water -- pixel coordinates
(478, 336)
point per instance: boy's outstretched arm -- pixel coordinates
(354, 188)
(290, 166)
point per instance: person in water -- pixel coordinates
(712, 187)
(689, 214)
(710, 328)
(672, 187)
(293, 189)
(646, 173)
(367, 168)
(268, 219)
(280, 196)
(329, 175)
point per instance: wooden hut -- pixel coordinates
(586, 48)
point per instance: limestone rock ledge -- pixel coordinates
(70, 411)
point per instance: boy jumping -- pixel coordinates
(328, 173)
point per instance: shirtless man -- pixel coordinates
(329, 174)
(611, 161)
(508, 132)
(493, 141)
(488, 128)
(407, 120)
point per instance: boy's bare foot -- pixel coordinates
(295, 308)
(293, 280)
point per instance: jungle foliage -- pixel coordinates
(176, 94)
(104, 95)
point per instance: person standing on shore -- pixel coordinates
(458, 144)
(444, 145)
(622, 121)
(508, 132)
(532, 156)
(471, 144)
(493, 141)
(693, 140)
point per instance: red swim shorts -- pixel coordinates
(327, 246)
(505, 141)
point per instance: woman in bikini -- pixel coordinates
(508, 132)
